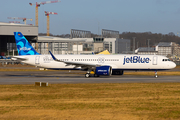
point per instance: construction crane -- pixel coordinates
(38, 5)
(47, 14)
(19, 18)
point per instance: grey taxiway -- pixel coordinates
(55, 77)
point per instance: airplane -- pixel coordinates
(102, 65)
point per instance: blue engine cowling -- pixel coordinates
(103, 70)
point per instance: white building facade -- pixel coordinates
(79, 45)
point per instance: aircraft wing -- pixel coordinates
(77, 64)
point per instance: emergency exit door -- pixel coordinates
(155, 58)
(37, 58)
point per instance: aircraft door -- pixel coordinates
(37, 58)
(155, 58)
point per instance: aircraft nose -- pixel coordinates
(173, 65)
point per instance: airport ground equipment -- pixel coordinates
(41, 84)
(38, 5)
(19, 18)
(47, 14)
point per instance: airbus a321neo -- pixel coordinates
(101, 64)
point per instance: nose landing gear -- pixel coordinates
(156, 74)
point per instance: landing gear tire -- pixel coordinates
(156, 76)
(87, 75)
(95, 75)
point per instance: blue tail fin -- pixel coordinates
(23, 46)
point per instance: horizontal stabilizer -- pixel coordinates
(19, 58)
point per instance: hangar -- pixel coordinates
(80, 41)
(7, 41)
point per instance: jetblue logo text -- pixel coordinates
(25, 49)
(102, 70)
(135, 59)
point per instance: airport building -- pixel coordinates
(81, 45)
(163, 48)
(80, 41)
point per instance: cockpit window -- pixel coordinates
(166, 60)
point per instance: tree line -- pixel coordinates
(141, 39)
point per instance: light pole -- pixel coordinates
(148, 45)
(134, 44)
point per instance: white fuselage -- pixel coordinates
(121, 62)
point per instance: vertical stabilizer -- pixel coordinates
(23, 46)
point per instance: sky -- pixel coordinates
(156, 16)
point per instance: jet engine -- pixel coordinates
(103, 70)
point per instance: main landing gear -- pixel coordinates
(87, 75)
(156, 74)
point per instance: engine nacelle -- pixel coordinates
(103, 70)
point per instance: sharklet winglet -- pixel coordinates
(54, 58)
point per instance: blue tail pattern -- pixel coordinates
(23, 46)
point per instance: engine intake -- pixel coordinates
(103, 70)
